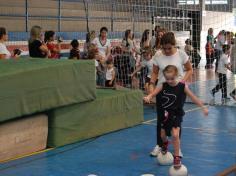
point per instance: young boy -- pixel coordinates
(173, 96)
(110, 74)
(222, 68)
(147, 62)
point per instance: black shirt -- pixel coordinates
(34, 49)
(173, 98)
(74, 53)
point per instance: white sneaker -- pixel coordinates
(155, 151)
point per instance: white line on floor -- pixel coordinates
(187, 111)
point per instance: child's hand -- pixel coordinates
(110, 83)
(205, 111)
(147, 99)
(151, 88)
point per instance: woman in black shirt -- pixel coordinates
(37, 48)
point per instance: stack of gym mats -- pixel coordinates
(112, 110)
(58, 101)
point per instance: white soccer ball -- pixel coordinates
(165, 159)
(182, 171)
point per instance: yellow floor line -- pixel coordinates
(27, 155)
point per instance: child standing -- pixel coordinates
(209, 49)
(148, 63)
(110, 74)
(223, 65)
(93, 54)
(173, 95)
(74, 52)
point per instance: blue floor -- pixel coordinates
(208, 144)
(202, 90)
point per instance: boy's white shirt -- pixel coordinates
(224, 60)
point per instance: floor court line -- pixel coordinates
(187, 111)
(208, 131)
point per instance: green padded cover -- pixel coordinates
(112, 110)
(34, 85)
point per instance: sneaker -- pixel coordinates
(233, 96)
(155, 151)
(164, 147)
(177, 162)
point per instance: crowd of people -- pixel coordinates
(132, 62)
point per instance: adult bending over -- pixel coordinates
(169, 55)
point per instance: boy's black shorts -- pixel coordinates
(169, 122)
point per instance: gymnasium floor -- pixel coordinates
(208, 145)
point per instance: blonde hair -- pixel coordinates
(92, 51)
(92, 35)
(35, 33)
(170, 69)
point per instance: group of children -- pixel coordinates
(222, 66)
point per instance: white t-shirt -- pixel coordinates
(178, 59)
(109, 74)
(149, 65)
(224, 60)
(102, 48)
(4, 50)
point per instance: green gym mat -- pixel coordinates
(112, 110)
(34, 85)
